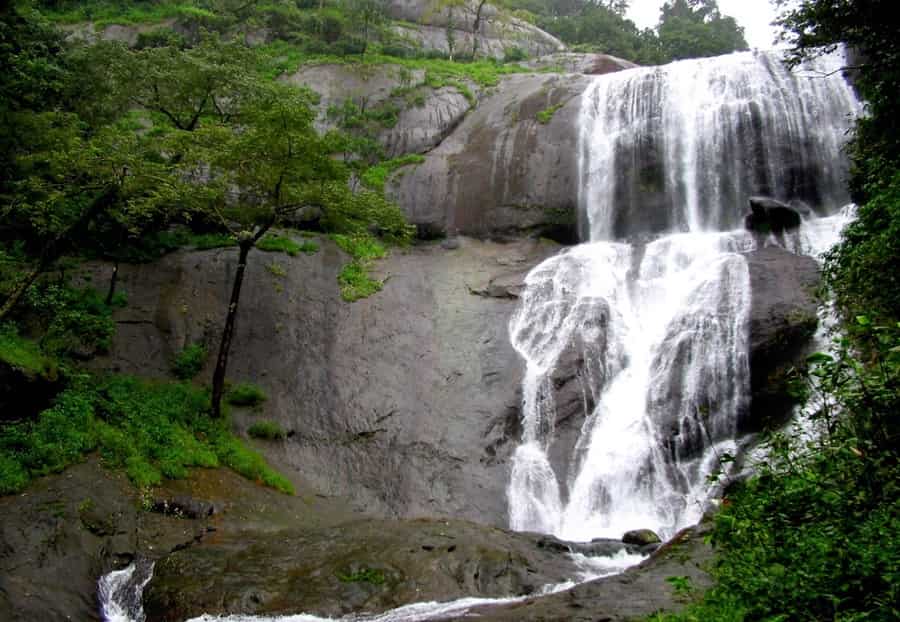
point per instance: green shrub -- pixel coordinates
(25, 354)
(151, 430)
(267, 430)
(284, 244)
(356, 283)
(189, 362)
(546, 115)
(13, 475)
(862, 270)
(365, 575)
(514, 54)
(75, 321)
(813, 535)
(245, 394)
(376, 176)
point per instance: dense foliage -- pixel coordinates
(150, 429)
(123, 153)
(813, 536)
(686, 28)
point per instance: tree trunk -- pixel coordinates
(54, 248)
(476, 27)
(218, 388)
(112, 283)
(19, 291)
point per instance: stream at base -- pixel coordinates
(120, 592)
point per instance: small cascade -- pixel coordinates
(651, 315)
(119, 593)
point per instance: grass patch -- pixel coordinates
(354, 279)
(245, 394)
(189, 362)
(365, 575)
(281, 57)
(104, 13)
(266, 430)
(152, 247)
(151, 430)
(376, 176)
(356, 283)
(546, 115)
(284, 244)
(25, 355)
(360, 247)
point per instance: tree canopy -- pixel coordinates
(686, 29)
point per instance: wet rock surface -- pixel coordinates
(783, 318)
(367, 566)
(66, 530)
(641, 537)
(635, 594)
(588, 64)
(406, 401)
(59, 536)
(503, 171)
(487, 31)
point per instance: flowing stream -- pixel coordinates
(652, 312)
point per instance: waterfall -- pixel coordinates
(649, 319)
(681, 147)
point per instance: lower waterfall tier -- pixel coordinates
(657, 338)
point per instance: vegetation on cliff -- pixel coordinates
(813, 535)
(113, 152)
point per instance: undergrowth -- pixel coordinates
(189, 361)
(266, 430)
(354, 278)
(151, 430)
(245, 394)
(284, 244)
(813, 536)
(376, 176)
(25, 355)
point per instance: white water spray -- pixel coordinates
(658, 329)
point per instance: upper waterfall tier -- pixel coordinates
(682, 147)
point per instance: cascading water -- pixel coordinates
(658, 324)
(681, 147)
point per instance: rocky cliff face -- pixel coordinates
(468, 28)
(509, 168)
(406, 401)
(426, 115)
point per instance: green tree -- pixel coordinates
(861, 269)
(33, 78)
(181, 85)
(366, 18)
(252, 175)
(696, 28)
(71, 180)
